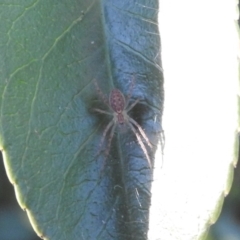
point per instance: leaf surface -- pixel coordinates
(51, 53)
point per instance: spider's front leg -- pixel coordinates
(101, 111)
(100, 93)
(128, 108)
(129, 95)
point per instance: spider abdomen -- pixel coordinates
(117, 101)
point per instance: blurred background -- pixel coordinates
(227, 226)
(14, 224)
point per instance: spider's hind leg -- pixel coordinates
(106, 152)
(108, 127)
(140, 142)
(143, 134)
(110, 139)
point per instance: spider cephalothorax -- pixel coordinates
(119, 106)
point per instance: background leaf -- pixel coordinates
(50, 53)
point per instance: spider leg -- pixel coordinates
(132, 84)
(162, 142)
(110, 124)
(109, 143)
(141, 131)
(100, 93)
(140, 142)
(102, 111)
(132, 105)
(110, 138)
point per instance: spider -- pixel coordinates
(119, 106)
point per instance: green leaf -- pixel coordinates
(51, 52)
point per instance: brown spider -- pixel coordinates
(119, 106)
